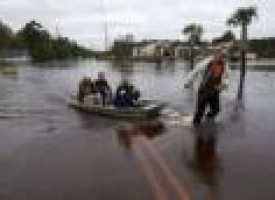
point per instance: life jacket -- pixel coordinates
(214, 75)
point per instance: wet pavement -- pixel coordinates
(49, 151)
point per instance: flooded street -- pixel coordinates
(50, 151)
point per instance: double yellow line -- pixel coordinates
(146, 154)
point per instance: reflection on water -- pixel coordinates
(205, 154)
(126, 69)
(165, 66)
(127, 132)
(205, 162)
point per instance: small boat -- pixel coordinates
(144, 109)
(8, 68)
(9, 71)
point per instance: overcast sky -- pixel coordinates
(83, 20)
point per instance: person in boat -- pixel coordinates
(210, 88)
(126, 95)
(84, 88)
(103, 88)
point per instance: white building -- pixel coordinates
(160, 48)
(148, 50)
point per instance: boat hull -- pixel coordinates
(145, 109)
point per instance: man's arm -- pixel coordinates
(225, 77)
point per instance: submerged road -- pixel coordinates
(161, 193)
(49, 151)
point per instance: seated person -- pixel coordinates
(126, 95)
(103, 88)
(84, 88)
(92, 99)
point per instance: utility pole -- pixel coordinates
(106, 35)
(57, 32)
(105, 25)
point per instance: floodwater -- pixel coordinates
(50, 151)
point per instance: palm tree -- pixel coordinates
(194, 31)
(243, 17)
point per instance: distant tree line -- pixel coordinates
(41, 45)
(122, 47)
(8, 39)
(264, 47)
(226, 37)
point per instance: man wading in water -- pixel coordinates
(210, 88)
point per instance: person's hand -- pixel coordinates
(221, 87)
(224, 86)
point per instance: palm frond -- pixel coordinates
(243, 16)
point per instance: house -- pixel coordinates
(249, 55)
(160, 48)
(145, 50)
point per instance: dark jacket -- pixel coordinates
(126, 94)
(102, 85)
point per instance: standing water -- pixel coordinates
(49, 151)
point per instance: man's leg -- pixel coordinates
(80, 97)
(214, 103)
(201, 106)
(103, 98)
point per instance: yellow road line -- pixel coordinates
(160, 192)
(178, 186)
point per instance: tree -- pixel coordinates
(194, 32)
(38, 41)
(243, 18)
(6, 35)
(123, 47)
(40, 44)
